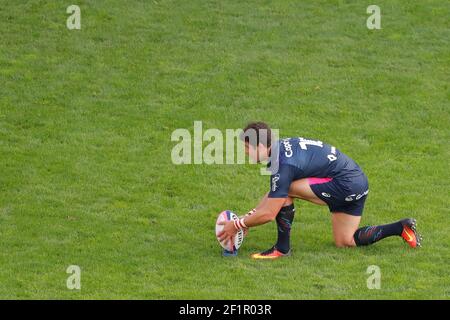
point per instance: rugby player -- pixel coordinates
(319, 173)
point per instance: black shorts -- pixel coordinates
(342, 194)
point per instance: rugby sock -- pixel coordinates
(284, 222)
(368, 235)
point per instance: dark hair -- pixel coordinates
(256, 133)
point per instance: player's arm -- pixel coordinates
(265, 212)
(269, 206)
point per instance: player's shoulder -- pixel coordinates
(285, 149)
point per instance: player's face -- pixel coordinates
(256, 154)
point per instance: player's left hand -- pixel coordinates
(228, 232)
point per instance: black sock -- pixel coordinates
(368, 235)
(284, 222)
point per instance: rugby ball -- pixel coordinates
(227, 215)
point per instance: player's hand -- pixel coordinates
(228, 232)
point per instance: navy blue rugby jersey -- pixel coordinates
(297, 158)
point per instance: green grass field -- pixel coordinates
(86, 118)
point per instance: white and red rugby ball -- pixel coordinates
(227, 215)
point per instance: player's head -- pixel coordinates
(257, 137)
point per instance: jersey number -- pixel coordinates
(304, 142)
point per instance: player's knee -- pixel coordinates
(287, 202)
(344, 242)
(339, 244)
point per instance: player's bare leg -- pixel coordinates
(347, 234)
(344, 227)
(300, 189)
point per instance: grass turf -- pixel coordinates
(85, 124)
